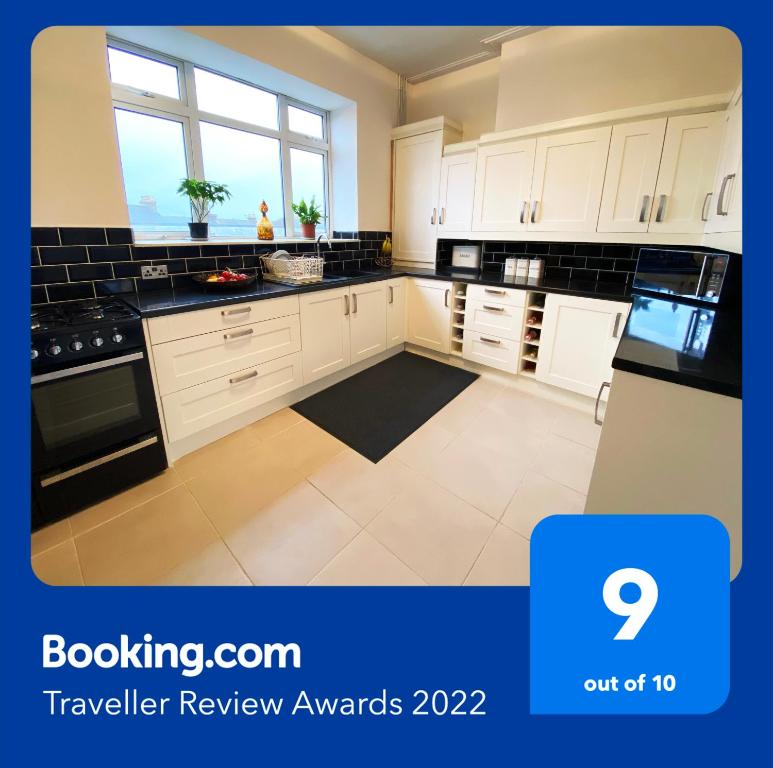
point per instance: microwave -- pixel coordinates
(682, 274)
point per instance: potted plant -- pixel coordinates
(309, 215)
(204, 195)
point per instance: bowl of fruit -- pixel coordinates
(225, 280)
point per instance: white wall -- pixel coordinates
(564, 72)
(468, 96)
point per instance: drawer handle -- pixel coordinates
(346, 305)
(238, 334)
(445, 297)
(490, 341)
(243, 377)
(493, 309)
(354, 303)
(229, 312)
(596, 419)
(496, 292)
(391, 295)
(615, 330)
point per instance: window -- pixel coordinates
(175, 119)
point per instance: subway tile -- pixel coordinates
(625, 265)
(70, 291)
(90, 272)
(558, 272)
(44, 275)
(241, 249)
(182, 252)
(201, 265)
(34, 257)
(607, 276)
(618, 251)
(109, 253)
(67, 254)
(229, 262)
(39, 295)
(573, 261)
(585, 274)
(157, 284)
(147, 252)
(45, 236)
(119, 236)
(175, 266)
(597, 263)
(124, 269)
(111, 287)
(562, 249)
(218, 249)
(540, 248)
(82, 235)
(588, 249)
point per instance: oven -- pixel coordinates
(683, 274)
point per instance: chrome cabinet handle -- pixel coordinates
(354, 303)
(618, 317)
(391, 295)
(704, 214)
(494, 291)
(661, 208)
(445, 298)
(721, 211)
(493, 309)
(241, 311)
(434, 216)
(596, 419)
(534, 211)
(243, 377)
(238, 334)
(645, 201)
(490, 341)
(524, 208)
(442, 216)
(346, 306)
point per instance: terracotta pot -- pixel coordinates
(309, 230)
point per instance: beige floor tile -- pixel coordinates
(58, 566)
(50, 536)
(433, 532)
(106, 510)
(419, 449)
(505, 435)
(577, 426)
(213, 567)
(230, 452)
(292, 539)
(523, 411)
(359, 487)
(482, 476)
(148, 542)
(504, 561)
(566, 462)
(274, 424)
(538, 497)
(304, 447)
(366, 563)
(463, 409)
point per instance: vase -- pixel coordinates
(265, 227)
(199, 230)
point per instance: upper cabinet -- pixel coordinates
(568, 180)
(683, 191)
(725, 203)
(632, 172)
(457, 185)
(503, 186)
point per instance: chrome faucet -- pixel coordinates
(329, 246)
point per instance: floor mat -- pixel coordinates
(375, 410)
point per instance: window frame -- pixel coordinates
(186, 111)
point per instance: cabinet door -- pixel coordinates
(396, 312)
(632, 171)
(457, 185)
(578, 341)
(324, 332)
(690, 154)
(429, 314)
(416, 185)
(368, 319)
(725, 204)
(568, 180)
(502, 184)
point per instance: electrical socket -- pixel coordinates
(153, 272)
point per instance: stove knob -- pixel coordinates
(76, 345)
(35, 353)
(117, 337)
(54, 349)
(97, 341)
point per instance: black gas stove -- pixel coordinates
(95, 424)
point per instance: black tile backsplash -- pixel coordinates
(71, 263)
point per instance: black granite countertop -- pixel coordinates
(186, 299)
(695, 346)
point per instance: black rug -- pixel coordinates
(374, 411)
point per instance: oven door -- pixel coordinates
(677, 273)
(83, 412)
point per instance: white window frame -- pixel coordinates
(186, 111)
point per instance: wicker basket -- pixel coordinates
(282, 267)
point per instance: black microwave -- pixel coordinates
(682, 274)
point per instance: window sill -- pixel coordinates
(236, 241)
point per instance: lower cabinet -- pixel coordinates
(368, 320)
(579, 338)
(429, 314)
(395, 314)
(492, 351)
(325, 332)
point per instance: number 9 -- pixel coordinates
(637, 612)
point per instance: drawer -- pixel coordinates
(489, 293)
(492, 351)
(490, 317)
(205, 405)
(185, 324)
(187, 362)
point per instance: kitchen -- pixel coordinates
(565, 276)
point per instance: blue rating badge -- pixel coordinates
(629, 614)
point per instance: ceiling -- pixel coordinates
(420, 53)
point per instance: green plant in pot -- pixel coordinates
(309, 215)
(204, 196)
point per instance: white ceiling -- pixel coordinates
(420, 53)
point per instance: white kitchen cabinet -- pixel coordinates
(490, 318)
(325, 334)
(686, 176)
(725, 203)
(485, 349)
(457, 186)
(416, 187)
(395, 312)
(632, 172)
(429, 314)
(568, 180)
(367, 320)
(579, 338)
(503, 179)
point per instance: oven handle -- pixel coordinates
(53, 479)
(67, 372)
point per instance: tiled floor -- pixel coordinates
(283, 503)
